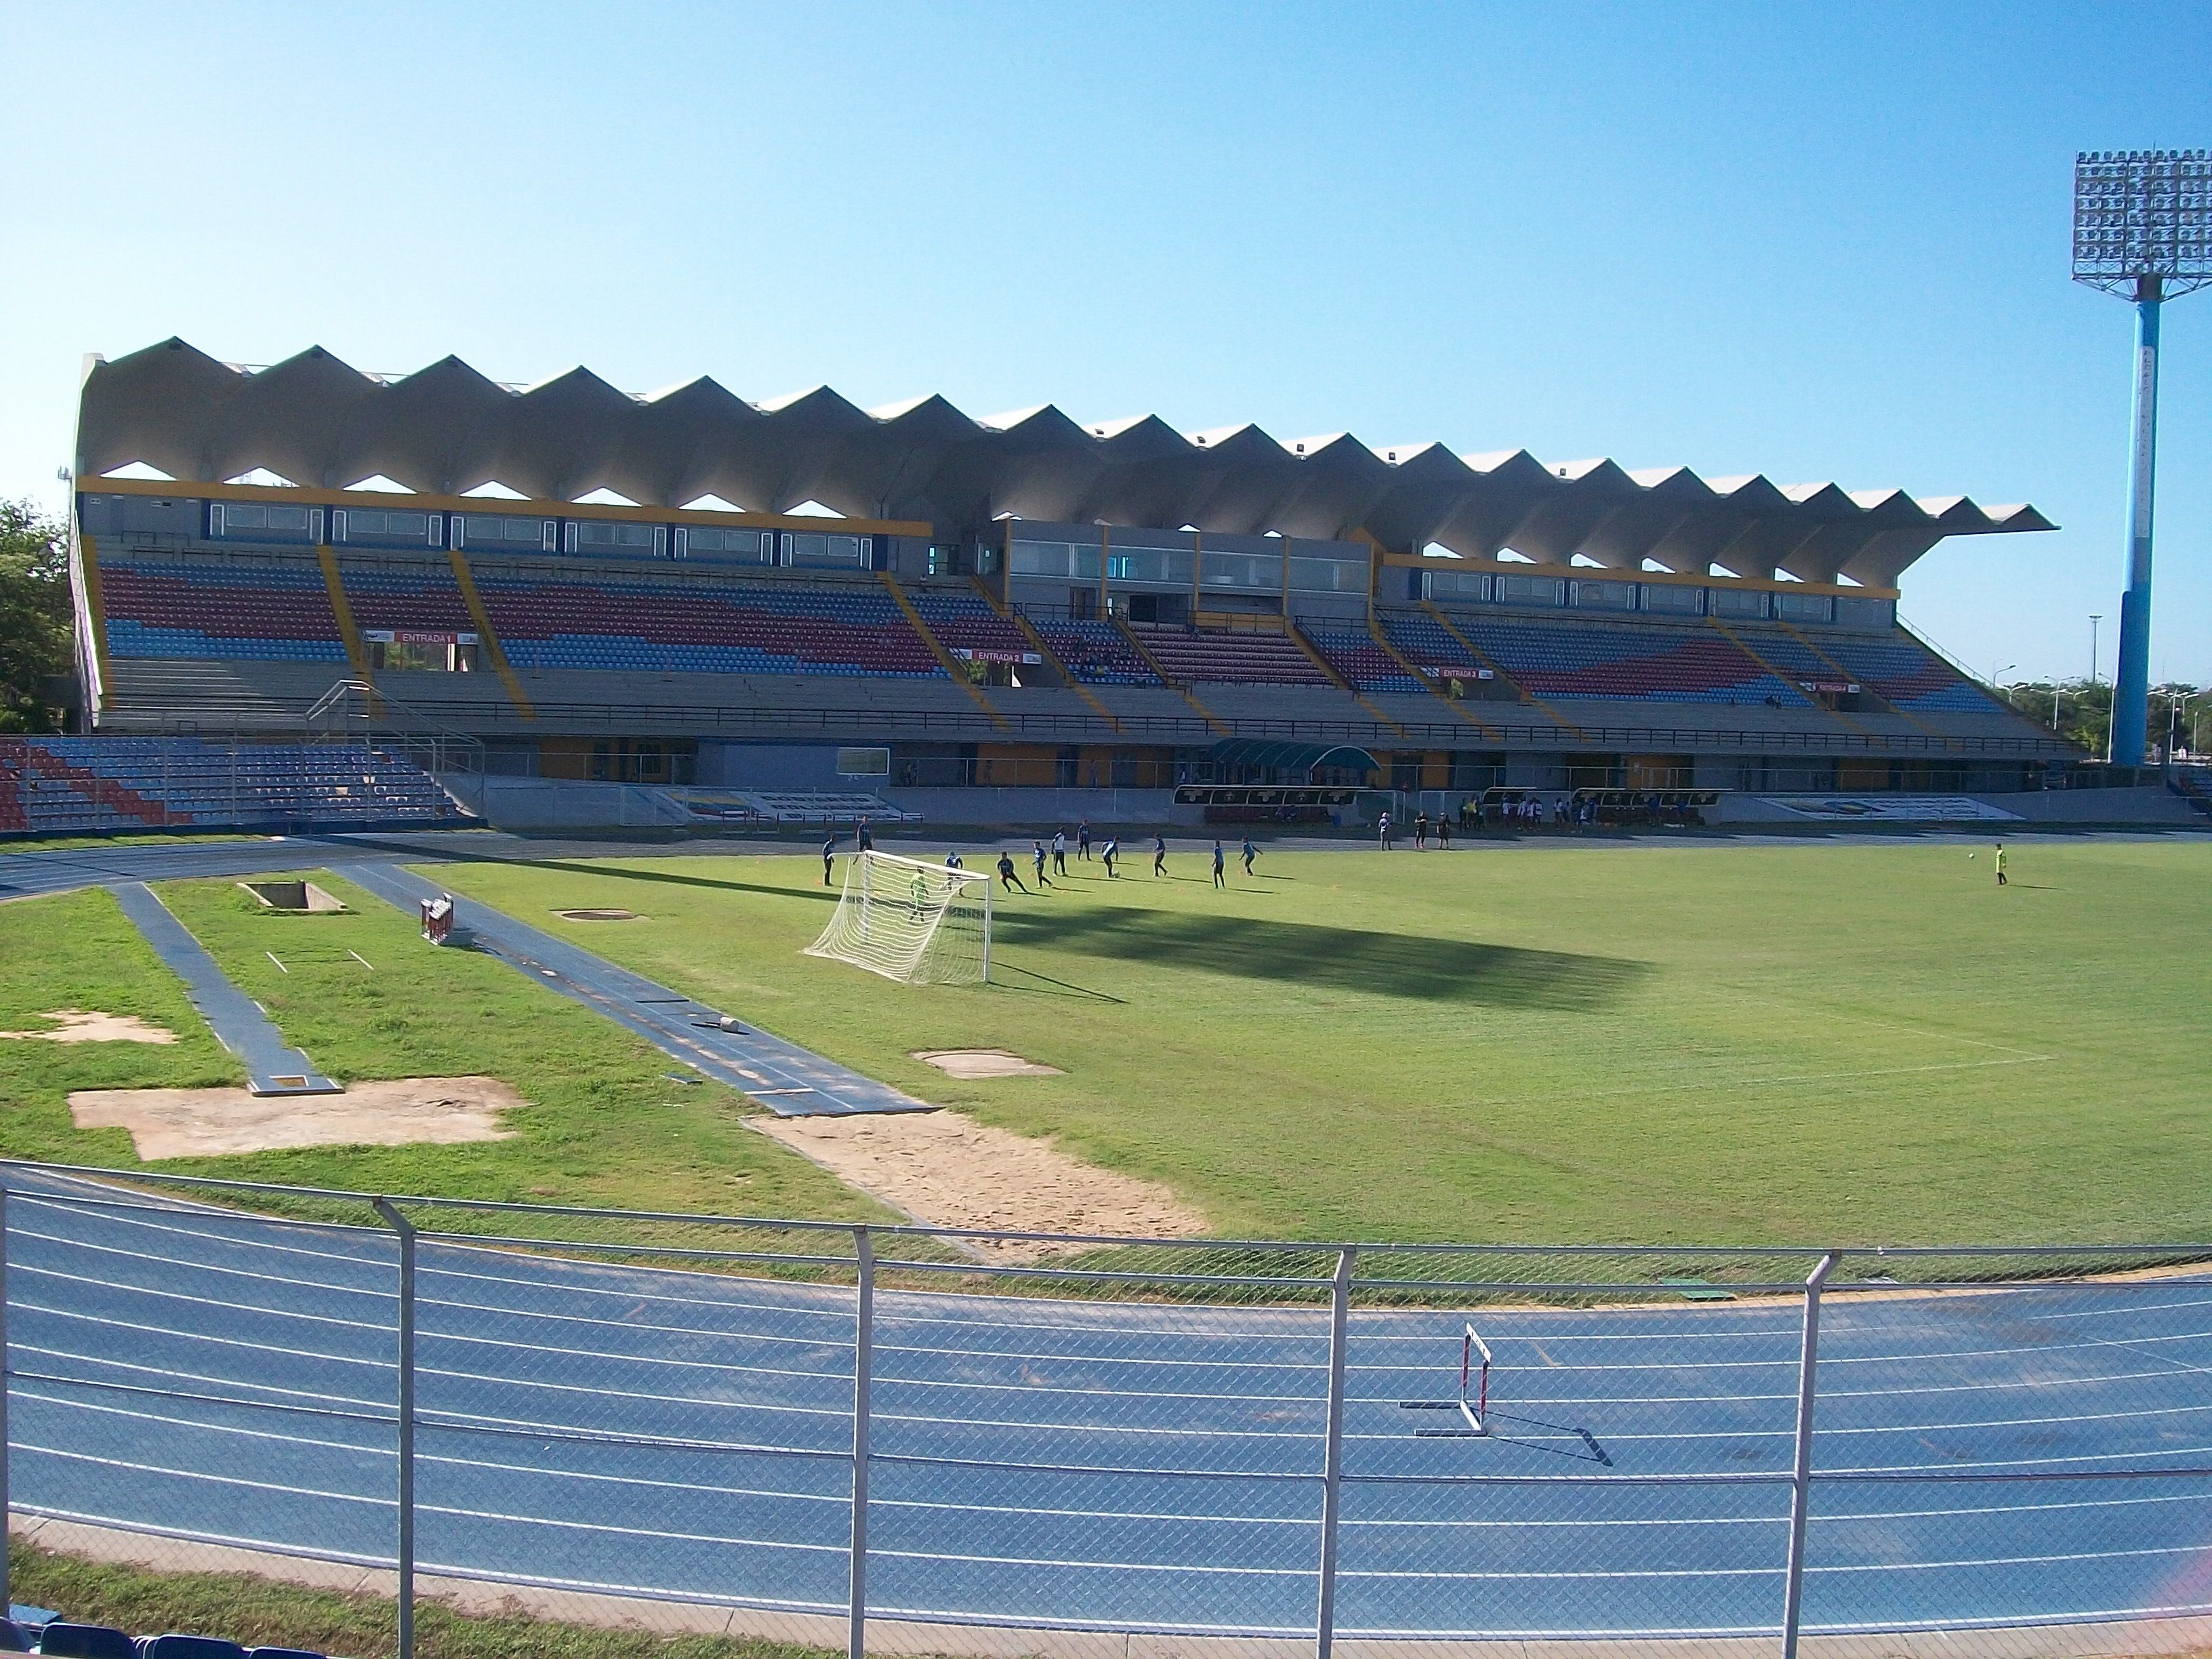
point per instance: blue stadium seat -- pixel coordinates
(190, 1647)
(14, 1638)
(86, 1642)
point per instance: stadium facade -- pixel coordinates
(693, 588)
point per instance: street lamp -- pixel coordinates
(1995, 679)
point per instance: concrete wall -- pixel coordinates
(774, 766)
(1036, 807)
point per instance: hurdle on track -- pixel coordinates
(1474, 1378)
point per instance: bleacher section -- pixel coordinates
(1094, 651)
(72, 786)
(194, 609)
(703, 626)
(424, 597)
(1903, 674)
(1353, 653)
(1195, 656)
(1426, 645)
(964, 624)
(1648, 662)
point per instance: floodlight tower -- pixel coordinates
(2140, 231)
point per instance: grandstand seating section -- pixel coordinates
(1353, 653)
(1095, 653)
(1425, 642)
(704, 626)
(1195, 656)
(63, 785)
(186, 608)
(69, 1639)
(425, 597)
(963, 621)
(1649, 662)
(1906, 675)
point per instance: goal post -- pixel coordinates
(911, 921)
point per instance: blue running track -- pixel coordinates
(1983, 1457)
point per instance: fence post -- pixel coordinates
(405, 1230)
(1800, 1479)
(6, 1492)
(864, 1369)
(1340, 1311)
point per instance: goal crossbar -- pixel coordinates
(911, 921)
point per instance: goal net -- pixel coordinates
(911, 921)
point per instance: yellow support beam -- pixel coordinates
(1482, 659)
(1028, 631)
(1171, 681)
(1328, 668)
(487, 635)
(96, 606)
(342, 609)
(950, 664)
(1426, 680)
(1752, 650)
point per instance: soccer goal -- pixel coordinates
(911, 921)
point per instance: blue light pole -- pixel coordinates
(2140, 231)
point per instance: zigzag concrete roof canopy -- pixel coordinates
(446, 429)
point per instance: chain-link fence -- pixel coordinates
(863, 1436)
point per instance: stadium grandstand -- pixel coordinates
(694, 589)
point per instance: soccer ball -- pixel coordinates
(1970, 855)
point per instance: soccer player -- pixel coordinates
(1421, 831)
(1250, 853)
(1443, 832)
(1059, 852)
(1006, 876)
(1083, 838)
(1159, 855)
(1382, 829)
(1037, 852)
(865, 836)
(828, 856)
(1110, 852)
(1219, 880)
(2001, 864)
(952, 861)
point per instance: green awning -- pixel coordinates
(1267, 755)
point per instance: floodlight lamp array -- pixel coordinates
(2144, 217)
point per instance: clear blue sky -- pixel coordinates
(1813, 242)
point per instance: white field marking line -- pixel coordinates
(1755, 1572)
(172, 1373)
(811, 1376)
(1979, 1562)
(1811, 1077)
(244, 1484)
(232, 1309)
(2037, 1468)
(119, 1215)
(281, 968)
(230, 1272)
(843, 1413)
(1900, 1392)
(196, 1264)
(362, 960)
(2136, 1345)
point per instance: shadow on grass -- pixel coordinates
(1382, 964)
(669, 878)
(1061, 988)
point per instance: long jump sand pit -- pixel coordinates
(214, 1122)
(955, 1172)
(90, 1025)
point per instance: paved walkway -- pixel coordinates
(239, 1024)
(789, 1080)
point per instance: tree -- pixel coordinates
(34, 616)
(2085, 713)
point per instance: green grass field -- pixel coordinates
(1825, 1044)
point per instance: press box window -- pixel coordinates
(493, 530)
(259, 521)
(713, 542)
(611, 536)
(864, 762)
(1531, 590)
(1738, 602)
(379, 525)
(1804, 607)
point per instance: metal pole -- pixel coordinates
(405, 1230)
(2131, 681)
(1333, 1455)
(864, 1369)
(5, 1493)
(1800, 1491)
